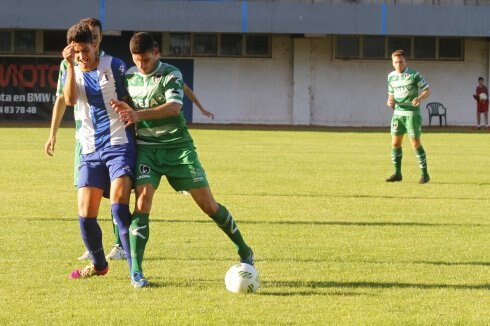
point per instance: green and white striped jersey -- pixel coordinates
(163, 85)
(405, 88)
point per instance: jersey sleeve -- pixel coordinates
(421, 83)
(173, 87)
(119, 71)
(61, 78)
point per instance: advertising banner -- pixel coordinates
(28, 88)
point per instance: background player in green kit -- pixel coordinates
(164, 148)
(403, 97)
(59, 108)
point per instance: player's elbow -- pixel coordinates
(175, 109)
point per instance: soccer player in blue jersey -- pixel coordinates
(404, 98)
(91, 82)
(59, 109)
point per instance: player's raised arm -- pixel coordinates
(70, 90)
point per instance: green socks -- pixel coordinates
(421, 157)
(396, 158)
(139, 232)
(116, 232)
(227, 224)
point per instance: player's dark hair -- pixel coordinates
(480, 78)
(141, 42)
(398, 53)
(79, 33)
(92, 22)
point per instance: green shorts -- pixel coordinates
(406, 122)
(180, 165)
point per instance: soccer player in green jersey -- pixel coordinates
(59, 108)
(403, 97)
(164, 148)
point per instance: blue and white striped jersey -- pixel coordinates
(100, 124)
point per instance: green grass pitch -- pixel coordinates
(334, 243)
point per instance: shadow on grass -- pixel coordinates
(289, 293)
(462, 183)
(324, 288)
(447, 263)
(205, 220)
(321, 261)
(161, 283)
(357, 196)
(372, 285)
(360, 223)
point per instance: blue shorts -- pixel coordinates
(100, 168)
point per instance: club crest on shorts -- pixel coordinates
(144, 169)
(197, 174)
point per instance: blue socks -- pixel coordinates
(92, 237)
(122, 216)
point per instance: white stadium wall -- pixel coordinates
(303, 85)
(247, 91)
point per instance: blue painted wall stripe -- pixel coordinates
(244, 16)
(383, 17)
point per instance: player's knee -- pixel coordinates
(209, 207)
(143, 203)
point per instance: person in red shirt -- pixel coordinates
(481, 98)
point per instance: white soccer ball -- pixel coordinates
(483, 97)
(242, 278)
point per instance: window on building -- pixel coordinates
(373, 47)
(54, 41)
(25, 41)
(205, 44)
(214, 44)
(5, 41)
(158, 38)
(400, 43)
(416, 47)
(231, 44)
(258, 45)
(347, 47)
(179, 44)
(424, 48)
(451, 48)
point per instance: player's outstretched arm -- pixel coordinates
(190, 94)
(130, 116)
(125, 111)
(59, 109)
